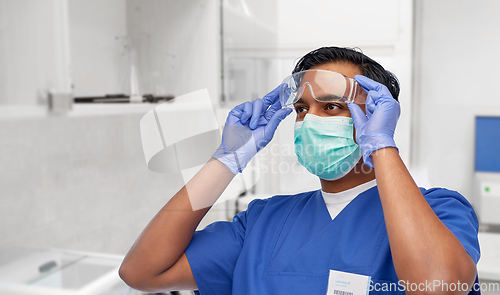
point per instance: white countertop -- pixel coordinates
(488, 266)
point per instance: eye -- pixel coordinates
(332, 106)
(300, 109)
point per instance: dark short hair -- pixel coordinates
(367, 66)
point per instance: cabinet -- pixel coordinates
(94, 48)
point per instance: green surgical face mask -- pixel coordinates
(325, 146)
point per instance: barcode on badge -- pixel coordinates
(338, 292)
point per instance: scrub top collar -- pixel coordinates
(348, 195)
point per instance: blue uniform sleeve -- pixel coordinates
(213, 252)
(458, 215)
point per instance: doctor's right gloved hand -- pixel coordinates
(249, 127)
(375, 130)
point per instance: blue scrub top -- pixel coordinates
(288, 244)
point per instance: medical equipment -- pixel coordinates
(487, 170)
(323, 85)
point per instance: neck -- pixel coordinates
(358, 175)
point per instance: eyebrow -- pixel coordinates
(300, 101)
(330, 98)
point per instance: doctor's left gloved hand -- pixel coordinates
(249, 127)
(375, 130)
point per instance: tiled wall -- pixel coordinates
(77, 183)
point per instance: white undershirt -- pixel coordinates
(336, 202)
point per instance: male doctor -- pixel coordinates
(369, 223)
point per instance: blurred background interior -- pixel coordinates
(76, 76)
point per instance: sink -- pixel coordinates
(57, 272)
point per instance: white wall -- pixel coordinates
(33, 50)
(456, 77)
(250, 44)
(250, 27)
(77, 183)
(178, 45)
(324, 22)
(100, 60)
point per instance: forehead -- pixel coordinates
(344, 68)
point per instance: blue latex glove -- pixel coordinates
(375, 130)
(249, 127)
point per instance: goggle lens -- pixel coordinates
(323, 86)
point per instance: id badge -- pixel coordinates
(344, 283)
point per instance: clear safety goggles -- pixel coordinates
(323, 85)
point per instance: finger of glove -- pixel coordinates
(284, 96)
(357, 115)
(246, 109)
(382, 103)
(370, 103)
(272, 110)
(233, 117)
(274, 122)
(370, 85)
(386, 118)
(272, 97)
(367, 83)
(256, 113)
